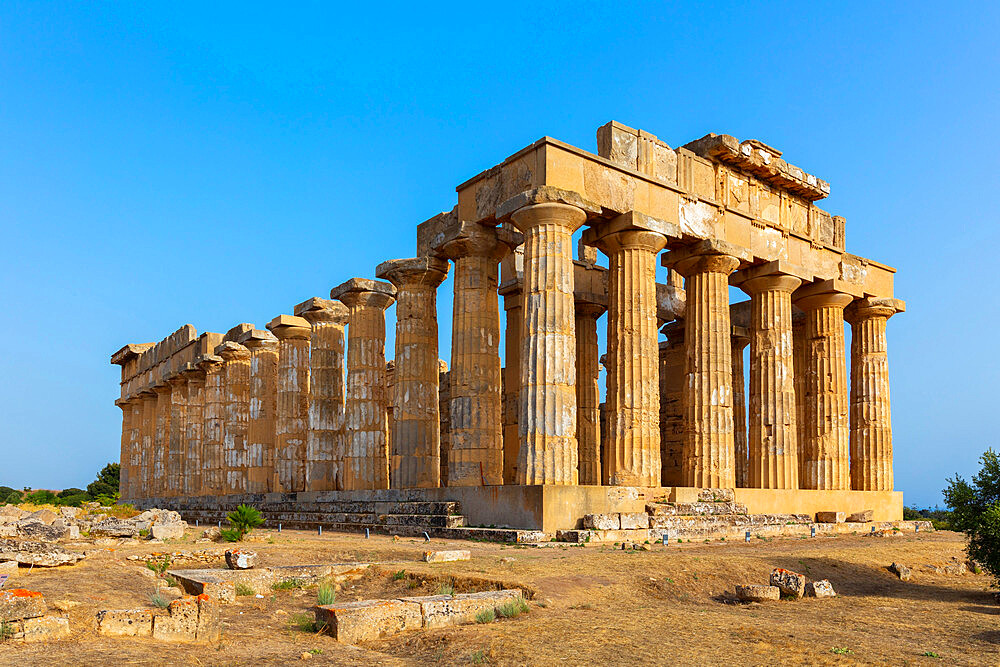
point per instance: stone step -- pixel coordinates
(313, 520)
(334, 507)
(717, 521)
(695, 509)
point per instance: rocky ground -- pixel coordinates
(588, 604)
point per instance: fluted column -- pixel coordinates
(709, 447)
(672, 360)
(325, 440)
(476, 455)
(825, 448)
(588, 393)
(214, 429)
(633, 357)
(773, 436)
(135, 447)
(261, 427)
(366, 460)
(161, 441)
(174, 466)
(415, 458)
(125, 457)
(236, 411)
(740, 339)
(511, 293)
(871, 418)
(292, 405)
(548, 453)
(194, 426)
(799, 356)
(145, 484)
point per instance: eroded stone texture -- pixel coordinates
(149, 403)
(262, 426)
(292, 406)
(548, 453)
(825, 447)
(236, 415)
(366, 460)
(590, 296)
(125, 472)
(709, 446)
(194, 425)
(740, 339)
(415, 457)
(871, 419)
(174, 460)
(476, 455)
(510, 290)
(214, 429)
(772, 431)
(325, 440)
(161, 442)
(672, 359)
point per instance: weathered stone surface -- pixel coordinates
(125, 622)
(864, 516)
(830, 517)
(758, 593)
(353, 622)
(8, 567)
(36, 530)
(788, 582)
(46, 516)
(634, 520)
(820, 589)
(602, 521)
(241, 559)
(900, 571)
(39, 554)
(442, 610)
(170, 531)
(18, 603)
(44, 629)
(116, 528)
(190, 619)
(446, 556)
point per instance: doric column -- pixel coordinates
(194, 430)
(144, 485)
(236, 415)
(325, 440)
(292, 406)
(366, 460)
(871, 420)
(476, 455)
(548, 453)
(633, 352)
(510, 290)
(773, 436)
(261, 427)
(799, 355)
(590, 296)
(161, 441)
(214, 429)
(672, 405)
(415, 458)
(825, 448)
(709, 447)
(174, 466)
(135, 447)
(125, 458)
(740, 339)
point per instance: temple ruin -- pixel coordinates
(306, 416)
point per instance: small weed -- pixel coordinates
(302, 622)
(399, 576)
(479, 658)
(412, 583)
(513, 608)
(6, 631)
(144, 532)
(841, 650)
(159, 600)
(446, 589)
(930, 654)
(170, 581)
(159, 565)
(325, 595)
(486, 616)
(316, 651)
(243, 590)
(286, 585)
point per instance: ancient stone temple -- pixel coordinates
(765, 397)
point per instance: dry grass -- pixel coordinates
(592, 605)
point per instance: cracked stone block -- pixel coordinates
(864, 516)
(758, 593)
(446, 556)
(125, 622)
(18, 604)
(602, 521)
(441, 610)
(830, 517)
(353, 622)
(820, 589)
(634, 520)
(788, 582)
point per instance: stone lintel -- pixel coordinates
(832, 286)
(547, 195)
(739, 314)
(289, 326)
(237, 331)
(631, 221)
(256, 338)
(426, 270)
(590, 284)
(430, 230)
(207, 342)
(671, 302)
(705, 247)
(778, 267)
(355, 285)
(129, 352)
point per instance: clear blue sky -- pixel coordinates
(166, 163)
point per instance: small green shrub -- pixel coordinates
(159, 565)
(6, 631)
(286, 585)
(930, 654)
(412, 583)
(325, 595)
(303, 622)
(841, 650)
(230, 535)
(170, 581)
(479, 658)
(243, 590)
(244, 519)
(513, 608)
(398, 576)
(446, 589)
(159, 600)
(486, 616)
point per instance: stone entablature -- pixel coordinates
(313, 406)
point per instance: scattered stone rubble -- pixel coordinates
(785, 583)
(193, 619)
(900, 571)
(23, 611)
(241, 559)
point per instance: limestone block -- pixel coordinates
(830, 517)
(602, 521)
(241, 559)
(758, 593)
(19, 603)
(222, 591)
(446, 556)
(171, 531)
(441, 610)
(353, 622)
(900, 571)
(790, 583)
(8, 567)
(634, 520)
(820, 589)
(864, 516)
(45, 516)
(36, 530)
(209, 621)
(44, 628)
(125, 622)
(114, 528)
(8, 531)
(190, 619)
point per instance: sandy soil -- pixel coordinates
(589, 605)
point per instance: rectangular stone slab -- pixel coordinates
(353, 622)
(125, 622)
(446, 556)
(18, 604)
(442, 610)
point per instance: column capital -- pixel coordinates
(547, 195)
(822, 293)
(674, 331)
(590, 285)
(289, 327)
(209, 362)
(361, 292)
(123, 403)
(176, 380)
(778, 275)
(230, 351)
(863, 309)
(629, 230)
(192, 372)
(535, 215)
(322, 311)
(740, 337)
(471, 239)
(256, 339)
(414, 272)
(707, 256)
